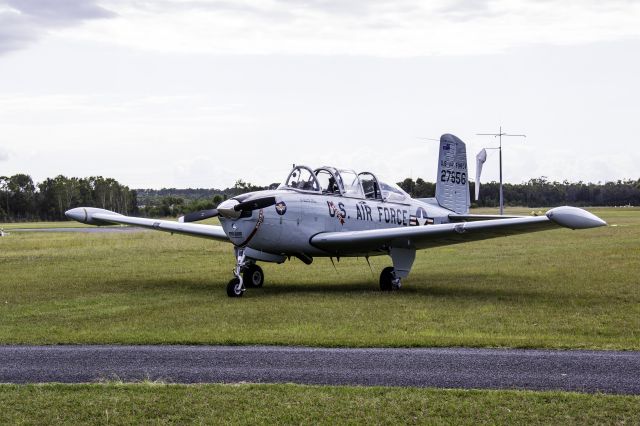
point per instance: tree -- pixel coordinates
(21, 196)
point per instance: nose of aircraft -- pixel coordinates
(226, 209)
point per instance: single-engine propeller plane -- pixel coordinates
(330, 212)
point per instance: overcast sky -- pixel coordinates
(197, 93)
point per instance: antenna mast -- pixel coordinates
(499, 135)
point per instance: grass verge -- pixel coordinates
(115, 403)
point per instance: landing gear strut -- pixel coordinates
(245, 272)
(236, 287)
(388, 280)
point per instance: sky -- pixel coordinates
(196, 93)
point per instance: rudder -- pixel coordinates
(452, 182)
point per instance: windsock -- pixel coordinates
(480, 159)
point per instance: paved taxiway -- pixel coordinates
(584, 371)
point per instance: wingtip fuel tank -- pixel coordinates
(85, 215)
(574, 218)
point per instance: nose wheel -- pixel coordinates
(235, 288)
(246, 273)
(388, 280)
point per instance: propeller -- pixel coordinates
(199, 215)
(258, 203)
(231, 209)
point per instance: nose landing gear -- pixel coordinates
(236, 287)
(245, 272)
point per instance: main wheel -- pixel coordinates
(233, 289)
(253, 276)
(386, 279)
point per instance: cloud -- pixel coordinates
(60, 11)
(464, 10)
(383, 28)
(23, 22)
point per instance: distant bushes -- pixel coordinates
(542, 192)
(176, 202)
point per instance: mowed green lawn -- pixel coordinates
(42, 225)
(115, 403)
(554, 289)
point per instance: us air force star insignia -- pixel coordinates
(421, 218)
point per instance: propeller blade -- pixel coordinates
(256, 204)
(200, 215)
(232, 209)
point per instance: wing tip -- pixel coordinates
(574, 218)
(85, 215)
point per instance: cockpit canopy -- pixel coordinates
(343, 182)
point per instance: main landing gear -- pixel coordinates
(246, 273)
(390, 277)
(388, 280)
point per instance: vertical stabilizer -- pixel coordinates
(452, 183)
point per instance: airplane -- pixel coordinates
(331, 212)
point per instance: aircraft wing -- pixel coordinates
(421, 237)
(95, 216)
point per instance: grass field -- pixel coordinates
(555, 289)
(41, 225)
(294, 404)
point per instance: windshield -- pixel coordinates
(301, 177)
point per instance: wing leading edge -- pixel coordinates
(95, 216)
(422, 237)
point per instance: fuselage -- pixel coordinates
(286, 227)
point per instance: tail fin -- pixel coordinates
(452, 183)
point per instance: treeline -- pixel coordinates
(176, 202)
(151, 196)
(23, 200)
(541, 192)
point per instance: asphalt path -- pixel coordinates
(582, 371)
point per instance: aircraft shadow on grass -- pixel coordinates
(412, 290)
(465, 286)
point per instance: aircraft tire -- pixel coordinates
(231, 288)
(386, 279)
(253, 276)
